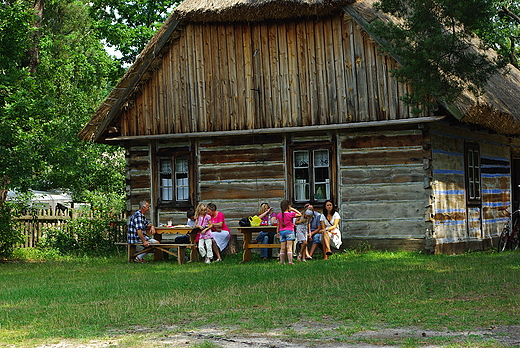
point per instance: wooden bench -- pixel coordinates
(159, 249)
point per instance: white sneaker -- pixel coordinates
(207, 260)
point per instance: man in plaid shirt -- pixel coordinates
(138, 227)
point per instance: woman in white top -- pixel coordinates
(330, 228)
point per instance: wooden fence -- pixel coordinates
(34, 225)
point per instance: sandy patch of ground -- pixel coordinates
(314, 335)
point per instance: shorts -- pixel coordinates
(317, 238)
(286, 235)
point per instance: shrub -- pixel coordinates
(94, 232)
(59, 239)
(10, 237)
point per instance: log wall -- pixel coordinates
(397, 188)
(459, 226)
(383, 194)
(220, 77)
(240, 173)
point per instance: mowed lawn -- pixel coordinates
(92, 298)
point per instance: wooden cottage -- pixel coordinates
(240, 102)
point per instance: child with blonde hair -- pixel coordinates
(204, 237)
(285, 230)
(302, 233)
(266, 214)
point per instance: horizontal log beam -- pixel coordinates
(354, 125)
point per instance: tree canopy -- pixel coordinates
(128, 25)
(54, 72)
(434, 42)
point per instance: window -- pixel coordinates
(472, 159)
(174, 183)
(311, 174)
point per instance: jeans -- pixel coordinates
(266, 238)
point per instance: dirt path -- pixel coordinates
(315, 336)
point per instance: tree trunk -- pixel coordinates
(33, 54)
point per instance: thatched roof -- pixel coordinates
(254, 10)
(498, 108)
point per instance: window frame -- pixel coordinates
(472, 171)
(173, 156)
(311, 149)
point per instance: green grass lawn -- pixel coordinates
(92, 298)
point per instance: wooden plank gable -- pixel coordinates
(236, 76)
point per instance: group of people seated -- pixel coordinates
(310, 228)
(209, 224)
(212, 231)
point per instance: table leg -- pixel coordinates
(247, 256)
(158, 254)
(194, 253)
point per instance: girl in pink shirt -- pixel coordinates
(285, 230)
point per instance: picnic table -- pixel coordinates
(161, 249)
(180, 229)
(248, 239)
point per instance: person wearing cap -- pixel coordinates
(314, 227)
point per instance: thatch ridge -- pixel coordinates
(254, 10)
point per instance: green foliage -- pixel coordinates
(128, 26)
(36, 254)
(58, 239)
(94, 232)
(433, 45)
(502, 31)
(41, 113)
(9, 236)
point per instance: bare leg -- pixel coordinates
(283, 248)
(303, 250)
(216, 250)
(326, 243)
(289, 251)
(313, 248)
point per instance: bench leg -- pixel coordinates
(158, 255)
(181, 254)
(194, 254)
(131, 250)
